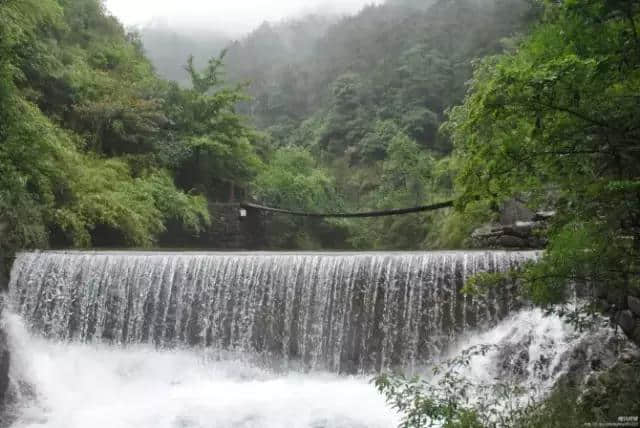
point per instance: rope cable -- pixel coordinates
(433, 207)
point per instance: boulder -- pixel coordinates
(513, 211)
(4, 346)
(634, 305)
(635, 335)
(625, 320)
(4, 364)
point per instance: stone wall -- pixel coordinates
(228, 231)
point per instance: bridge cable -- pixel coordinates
(433, 207)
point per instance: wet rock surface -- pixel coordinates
(4, 365)
(625, 320)
(634, 305)
(4, 345)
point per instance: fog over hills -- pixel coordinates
(233, 18)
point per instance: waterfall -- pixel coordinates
(96, 385)
(269, 340)
(341, 312)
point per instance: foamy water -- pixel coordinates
(75, 385)
(254, 332)
(81, 386)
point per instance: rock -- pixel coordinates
(634, 305)
(635, 334)
(526, 226)
(4, 363)
(630, 353)
(625, 320)
(537, 242)
(4, 368)
(521, 229)
(521, 234)
(512, 242)
(4, 345)
(513, 211)
(481, 232)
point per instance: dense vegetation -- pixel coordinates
(555, 123)
(365, 97)
(366, 100)
(94, 148)
(98, 150)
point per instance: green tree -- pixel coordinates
(210, 143)
(292, 181)
(556, 121)
(77, 110)
(408, 179)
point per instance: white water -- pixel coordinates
(104, 386)
(341, 312)
(532, 351)
(99, 386)
(84, 356)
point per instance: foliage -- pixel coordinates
(344, 89)
(444, 399)
(407, 179)
(291, 180)
(605, 397)
(90, 138)
(554, 120)
(210, 143)
(449, 398)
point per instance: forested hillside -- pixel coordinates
(98, 150)
(368, 106)
(360, 102)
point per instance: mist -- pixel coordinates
(223, 16)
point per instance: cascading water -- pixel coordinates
(186, 340)
(339, 312)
